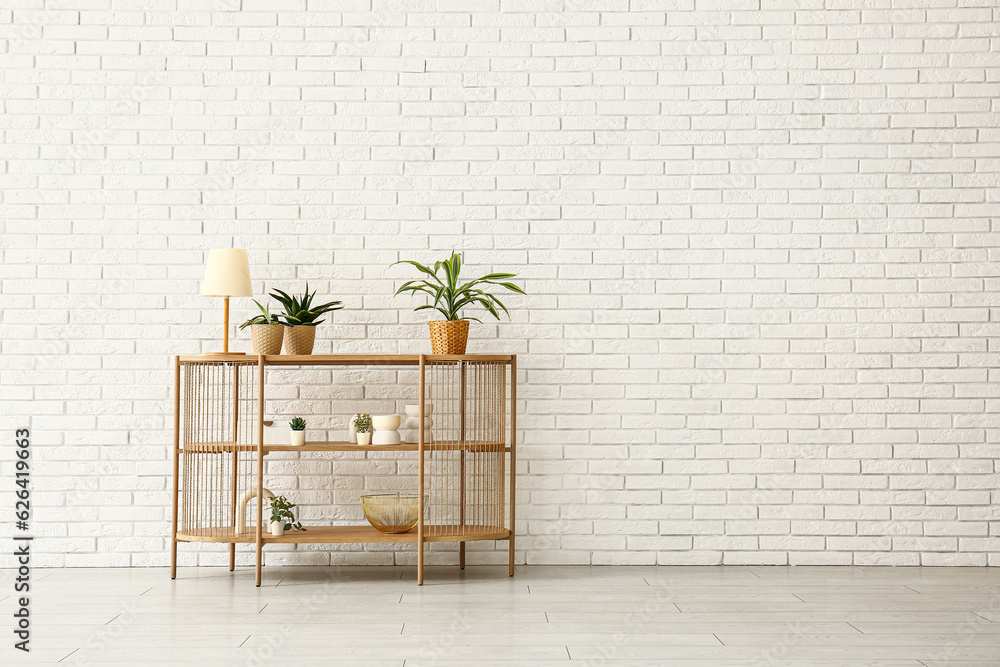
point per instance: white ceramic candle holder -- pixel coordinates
(385, 429)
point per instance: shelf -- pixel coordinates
(324, 446)
(350, 535)
(318, 446)
(219, 395)
(343, 359)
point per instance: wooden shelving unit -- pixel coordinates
(466, 478)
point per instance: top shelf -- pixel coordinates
(342, 359)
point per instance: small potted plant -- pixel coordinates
(266, 331)
(363, 423)
(282, 517)
(449, 336)
(301, 318)
(298, 431)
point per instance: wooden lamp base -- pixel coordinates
(225, 331)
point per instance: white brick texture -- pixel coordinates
(759, 237)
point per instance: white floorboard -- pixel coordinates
(546, 615)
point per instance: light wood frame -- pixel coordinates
(491, 456)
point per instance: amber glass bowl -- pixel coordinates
(391, 512)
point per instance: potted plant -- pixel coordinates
(282, 517)
(450, 335)
(266, 331)
(300, 317)
(363, 424)
(298, 431)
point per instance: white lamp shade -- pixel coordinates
(227, 273)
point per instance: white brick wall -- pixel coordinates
(758, 238)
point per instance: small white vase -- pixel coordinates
(365, 438)
(298, 438)
(352, 430)
(277, 528)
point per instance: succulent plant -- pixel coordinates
(297, 424)
(264, 318)
(363, 422)
(299, 311)
(450, 297)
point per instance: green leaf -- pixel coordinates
(499, 303)
(490, 308)
(420, 267)
(283, 298)
(449, 270)
(513, 288)
(404, 287)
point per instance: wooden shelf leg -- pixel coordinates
(173, 559)
(461, 468)
(260, 465)
(420, 479)
(510, 557)
(177, 457)
(236, 462)
(513, 461)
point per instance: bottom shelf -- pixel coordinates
(349, 534)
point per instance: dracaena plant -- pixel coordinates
(265, 317)
(450, 295)
(299, 311)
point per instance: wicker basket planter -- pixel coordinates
(267, 338)
(299, 340)
(449, 337)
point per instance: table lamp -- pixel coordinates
(227, 274)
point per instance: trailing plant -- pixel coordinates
(297, 424)
(281, 512)
(299, 311)
(266, 317)
(450, 296)
(363, 422)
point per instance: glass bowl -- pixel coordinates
(391, 512)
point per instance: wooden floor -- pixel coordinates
(696, 616)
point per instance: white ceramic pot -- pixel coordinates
(277, 528)
(385, 429)
(297, 438)
(386, 422)
(364, 438)
(386, 437)
(414, 410)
